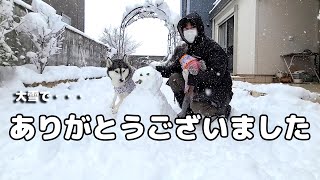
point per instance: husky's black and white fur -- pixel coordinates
(120, 72)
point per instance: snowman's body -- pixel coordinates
(146, 99)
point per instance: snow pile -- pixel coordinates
(280, 101)
(43, 8)
(285, 92)
(28, 73)
(223, 158)
(150, 82)
(93, 72)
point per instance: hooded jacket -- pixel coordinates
(215, 84)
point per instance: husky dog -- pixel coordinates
(189, 65)
(120, 72)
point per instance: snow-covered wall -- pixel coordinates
(78, 49)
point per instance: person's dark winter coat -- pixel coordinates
(214, 85)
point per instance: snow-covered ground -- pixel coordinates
(223, 158)
(27, 73)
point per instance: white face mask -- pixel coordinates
(190, 35)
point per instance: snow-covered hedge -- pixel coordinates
(27, 74)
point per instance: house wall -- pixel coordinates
(244, 12)
(183, 8)
(279, 19)
(202, 8)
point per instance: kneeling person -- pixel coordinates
(212, 87)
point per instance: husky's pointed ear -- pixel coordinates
(108, 62)
(126, 59)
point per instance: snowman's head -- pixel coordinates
(147, 78)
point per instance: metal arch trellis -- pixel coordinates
(139, 13)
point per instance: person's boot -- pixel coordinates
(179, 97)
(214, 118)
(228, 111)
(224, 112)
(189, 111)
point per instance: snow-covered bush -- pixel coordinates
(7, 24)
(45, 29)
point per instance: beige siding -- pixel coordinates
(245, 28)
(279, 19)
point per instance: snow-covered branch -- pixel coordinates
(7, 24)
(151, 9)
(111, 37)
(45, 29)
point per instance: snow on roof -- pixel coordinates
(71, 28)
(23, 4)
(41, 7)
(215, 4)
(112, 50)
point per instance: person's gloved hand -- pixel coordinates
(196, 66)
(193, 70)
(203, 65)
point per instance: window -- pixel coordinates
(66, 19)
(226, 39)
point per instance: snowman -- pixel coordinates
(146, 99)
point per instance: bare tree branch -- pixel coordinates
(111, 36)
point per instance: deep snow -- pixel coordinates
(148, 159)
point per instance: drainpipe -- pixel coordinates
(319, 30)
(256, 38)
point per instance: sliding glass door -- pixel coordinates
(226, 40)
